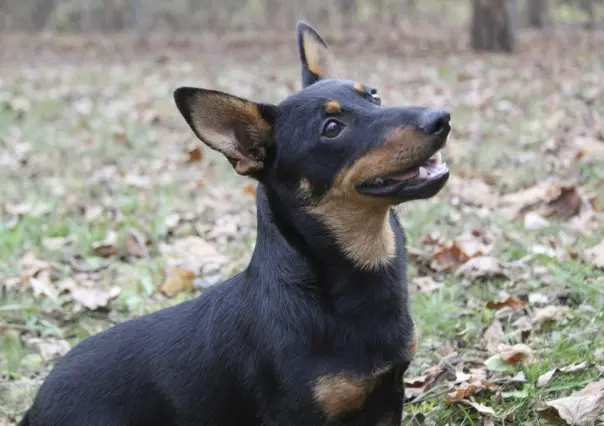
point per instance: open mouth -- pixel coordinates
(416, 182)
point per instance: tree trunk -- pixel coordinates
(537, 13)
(588, 7)
(492, 28)
(347, 10)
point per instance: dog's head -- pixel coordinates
(332, 145)
(332, 135)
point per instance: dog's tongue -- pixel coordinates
(405, 176)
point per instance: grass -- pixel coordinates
(101, 150)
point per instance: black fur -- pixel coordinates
(248, 351)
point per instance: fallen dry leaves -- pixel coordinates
(545, 378)
(548, 314)
(416, 386)
(509, 302)
(581, 408)
(522, 197)
(596, 255)
(177, 281)
(545, 199)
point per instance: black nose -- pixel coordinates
(435, 122)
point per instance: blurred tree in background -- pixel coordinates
(491, 23)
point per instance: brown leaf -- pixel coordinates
(425, 284)
(513, 354)
(480, 267)
(482, 409)
(49, 348)
(566, 205)
(509, 301)
(191, 253)
(135, 245)
(473, 191)
(549, 313)
(575, 368)
(445, 258)
(56, 243)
(93, 298)
(107, 247)
(416, 386)
(41, 285)
(472, 244)
(544, 379)
(463, 391)
(194, 155)
(177, 281)
(580, 408)
(249, 189)
(516, 203)
(596, 255)
(493, 336)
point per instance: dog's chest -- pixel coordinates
(343, 393)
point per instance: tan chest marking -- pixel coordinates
(339, 394)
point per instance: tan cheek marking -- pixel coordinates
(333, 107)
(360, 224)
(339, 394)
(359, 87)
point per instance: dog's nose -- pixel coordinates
(435, 122)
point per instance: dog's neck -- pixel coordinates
(293, 236)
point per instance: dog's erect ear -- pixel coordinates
(236, 127)
(317, 59)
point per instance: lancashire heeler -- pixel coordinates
(316, 330)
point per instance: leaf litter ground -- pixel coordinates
(111, 209)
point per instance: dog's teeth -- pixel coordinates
(423, 173)
(378, 181)
(438, 157)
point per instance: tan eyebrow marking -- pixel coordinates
(333, 107)
(359, 87)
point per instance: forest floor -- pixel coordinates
(110, 208)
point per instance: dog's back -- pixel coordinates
(162, 365)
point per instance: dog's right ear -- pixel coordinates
(239, 129)
(318, 62)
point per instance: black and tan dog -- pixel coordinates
(315, 331)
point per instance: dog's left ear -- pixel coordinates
(318, 62)
(239, 129)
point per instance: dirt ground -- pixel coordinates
(111, 208)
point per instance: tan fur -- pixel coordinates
(211, 115)
(319, 59)
(359, 87)
(360, 223)
(333, 107)
(339, 394)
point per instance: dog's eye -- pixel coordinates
(332, 129)
(376, 97)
